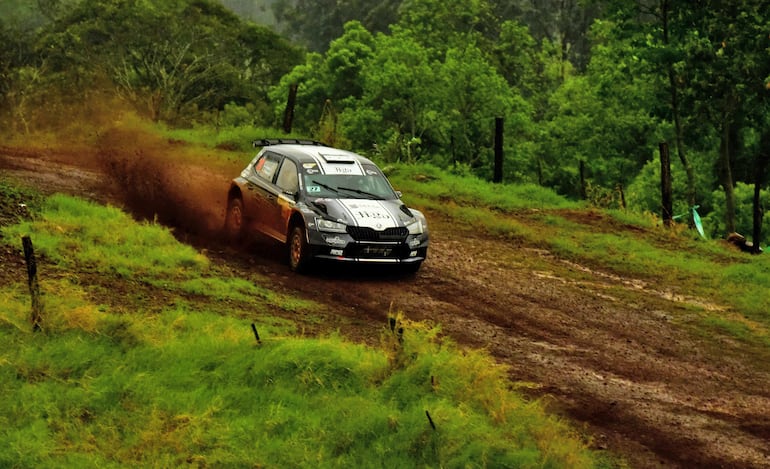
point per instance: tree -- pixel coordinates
(327, 81)
(601, 118)
(399, 84)
(670, 63)
(167, 57)
(316, 23)
(20, 75)
(758, 210)
(312, 82)
(345, 61)
(712, 55)
(515, 57)
(440, 25)
(473, 94)
(656, 32)
(729, 70)
(564, 23)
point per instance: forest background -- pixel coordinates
(588, 89)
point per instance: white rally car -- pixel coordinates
(324, 203)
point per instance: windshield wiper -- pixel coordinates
(326, 186)
(359, 191)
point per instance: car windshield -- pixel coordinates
(372, 186)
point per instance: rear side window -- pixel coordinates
(287, 177)
(265, 167)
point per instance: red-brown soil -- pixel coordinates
(611, 354)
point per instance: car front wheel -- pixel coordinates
(299, 256)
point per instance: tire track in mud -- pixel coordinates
(625, 369)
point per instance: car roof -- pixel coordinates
(305, 153)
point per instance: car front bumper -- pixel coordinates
(342, 247)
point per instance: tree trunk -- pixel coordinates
(756, 235)
(759, 178)
(727, 176)
(688, 168)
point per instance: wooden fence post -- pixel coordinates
(622, 196)
(667, 202)
(288, 113)
(34, 286)
(498, 174)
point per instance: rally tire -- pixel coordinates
(235, 224)
(299, 251)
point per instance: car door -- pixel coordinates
(287, 183)
(262, 192)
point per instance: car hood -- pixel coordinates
(375, 214)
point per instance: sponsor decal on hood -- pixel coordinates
(373, 214)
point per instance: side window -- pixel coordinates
(266, 166)
(287, 177)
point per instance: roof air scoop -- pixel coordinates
(338, 158)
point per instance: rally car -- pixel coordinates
(324, 203)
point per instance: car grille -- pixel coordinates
(362, 233)
(379, 251)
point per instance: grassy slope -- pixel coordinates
(179, 378)
(147, 358)
(624, 244)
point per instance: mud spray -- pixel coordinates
(155, 182)
(125, 162)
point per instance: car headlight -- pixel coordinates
(330, 226)
(415, 227)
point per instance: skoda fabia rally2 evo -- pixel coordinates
(325, 203)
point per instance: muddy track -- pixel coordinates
(612, 356)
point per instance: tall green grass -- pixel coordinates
(184, 383)
(192, 388)
(435, 185)
(76, 232)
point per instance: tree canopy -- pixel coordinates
(172, 59)
(588, 89)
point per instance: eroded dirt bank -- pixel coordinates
(604, 351)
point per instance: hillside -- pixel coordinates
(652, 341)
(152, 353)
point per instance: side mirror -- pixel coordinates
(399, 194)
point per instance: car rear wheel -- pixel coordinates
(299, 256)
(234, 222)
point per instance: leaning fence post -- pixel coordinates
(34, 286)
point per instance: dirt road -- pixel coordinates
(611, 354)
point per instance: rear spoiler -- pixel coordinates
(264, 142)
